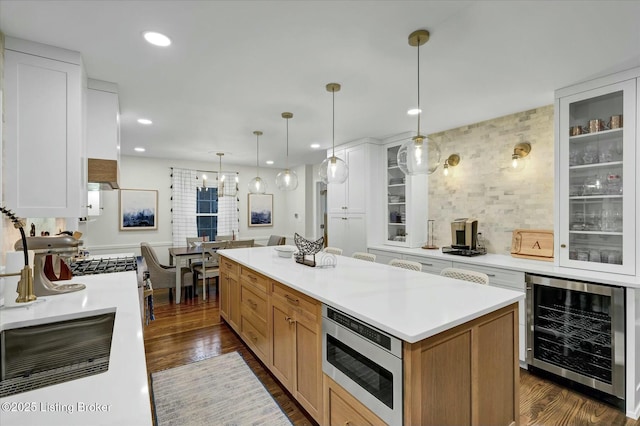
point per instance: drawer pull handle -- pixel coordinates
(253, 336)
(491, 275)
(428, 264)
(252, 277)
(292, 300)
(252, 303)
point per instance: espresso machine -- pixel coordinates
(464, 238)
(47, 252)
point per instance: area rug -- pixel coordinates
(217, 391)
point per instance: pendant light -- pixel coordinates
(333, 169)
(419, 155)
(229, 190)
(287, 180)
(257, 185)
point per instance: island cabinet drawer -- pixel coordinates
(498, 276)
(228, 267)
(253, 301)
(341, 408)
(259, 281)
(254, 338)
(305, 307)
(429, 264)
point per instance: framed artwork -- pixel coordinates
(138, 209)
(260, 209)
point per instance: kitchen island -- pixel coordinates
(117, 396)
(460, 339)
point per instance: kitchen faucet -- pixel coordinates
(25, 284)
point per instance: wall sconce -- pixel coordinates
(520, 151)
(451, 161)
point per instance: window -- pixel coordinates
(207, 212)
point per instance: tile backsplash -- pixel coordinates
(485, 186)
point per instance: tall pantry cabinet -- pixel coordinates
(45, 159)
(353, 206)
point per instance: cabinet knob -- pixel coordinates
(563, 245)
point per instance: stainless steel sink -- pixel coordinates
(36, 356)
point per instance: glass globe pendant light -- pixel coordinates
(287, 180)
(257, 185)
(420, 155)
(333, 169)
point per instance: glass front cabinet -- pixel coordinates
(596, 150)
(406, 203)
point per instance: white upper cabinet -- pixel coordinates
(45, 159)
(103, 135)
(350, 196)
(596, 168)
(103, 120)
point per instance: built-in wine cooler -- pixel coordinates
(576, 332)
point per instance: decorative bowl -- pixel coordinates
(285, 251)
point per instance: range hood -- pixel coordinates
(103, 172)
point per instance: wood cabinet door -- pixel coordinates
(308, 367)
(224, 295)
(283, 346)
(234, 302)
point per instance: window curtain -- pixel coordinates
(183, 205)
(228, 210)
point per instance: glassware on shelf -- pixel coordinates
(590, 154)
(593, 185)
(613, 184)
(575, 156)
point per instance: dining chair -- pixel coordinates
(208, 267)
(239, 244)
(224, 237)
(333, 250)
(406, 264)
(466, 275)
(364, 256)
(163, 276)
(194, 241)
(276, 240)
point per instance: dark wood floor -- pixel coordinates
(192, 331)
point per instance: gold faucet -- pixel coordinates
(25, 285)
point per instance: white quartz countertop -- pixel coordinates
(407, 304)
(539, 267)
(119, 396)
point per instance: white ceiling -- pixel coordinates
(235, 66)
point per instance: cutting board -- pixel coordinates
(532, 244)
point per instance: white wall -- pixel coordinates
(102, 234)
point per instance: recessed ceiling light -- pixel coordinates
(269, 162)
(414, 111)
(139, 149)
(156, 39)
(315, 145)
(145, 121)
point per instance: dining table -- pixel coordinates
(180, 256)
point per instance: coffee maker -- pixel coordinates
(464, 233)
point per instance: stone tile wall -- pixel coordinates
(485, 186)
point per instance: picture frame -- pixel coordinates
(260, 209)
(138, 209)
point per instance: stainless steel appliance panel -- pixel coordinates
(576, 331)
(369, 371)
